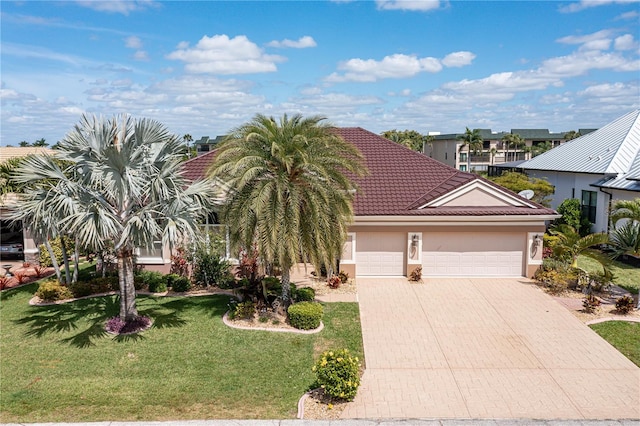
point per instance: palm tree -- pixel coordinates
(570, 245)
(288, 190)
(571, 134)
(122, 185)
(512, 139)
(625, 209)
(473, 141)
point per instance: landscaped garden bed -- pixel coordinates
(59, 363)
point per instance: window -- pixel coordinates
(463, 167)
(463, 156)
(589, 200)
(150, 255)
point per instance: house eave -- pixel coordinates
(508, 220)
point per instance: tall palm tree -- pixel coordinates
(512, 140)
(289, 190)
(122, 184)
(472, 140)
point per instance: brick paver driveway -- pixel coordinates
(484, 348)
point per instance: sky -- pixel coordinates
(205, 67)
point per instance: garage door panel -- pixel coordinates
(473, 254)
(380, 253)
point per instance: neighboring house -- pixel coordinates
(411, 210)
(598, 168)
(446, 148)
(12, 234)
(206, 144)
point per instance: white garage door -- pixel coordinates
(380, 253)
(472, 254)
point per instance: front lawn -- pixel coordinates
(58, 364)
(624, 336)
(626, 276)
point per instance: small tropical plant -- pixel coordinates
(416, 274)
(571, 244)
(624, 305)
(338, 373)
(590, 303)
(625, 240)
(334, 282)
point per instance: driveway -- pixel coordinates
(484, 349)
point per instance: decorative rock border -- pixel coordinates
(229, 323)
(617, 318)
(301, 401)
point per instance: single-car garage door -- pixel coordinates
(473, 254)
(380, 253)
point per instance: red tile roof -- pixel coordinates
(399, 181)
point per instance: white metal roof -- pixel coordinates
(612, 149)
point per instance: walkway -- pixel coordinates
(484, 349)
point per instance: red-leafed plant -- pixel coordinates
(334, 282)
(20, 277)
(40, 270)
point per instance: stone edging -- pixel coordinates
(616, 318)
(229, 323)
(301, 401)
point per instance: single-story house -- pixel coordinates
(598, 168)
(411, 210)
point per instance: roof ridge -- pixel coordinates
(422, 199)
(627, 142)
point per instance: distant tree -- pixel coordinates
(24, 144)
(7, 168)
(187, 139)
(512, 140)
(409, 138)
(472, 140)
(571, 211)
(540, 148)
(40, 142)
(517, 182)
(492, 153)
(571, 134)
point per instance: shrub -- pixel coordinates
(105, 284)
(416, 274)
(39, 270)
(305, 315)
(227, 281)
(338, 373)
(4, 282)
(245, 310)
(599, 281)
(45, 259)
(209, 269)
(624, 305)
(334, 282)
(155, 281)
(344, 277)
(590, 303)
(179, 263)
(51, 290)
(305, 294)
(81, 289)
(20, 277)
(179, 284)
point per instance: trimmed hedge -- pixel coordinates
(338, 373)
(305, 315)
(305, 294)
(51, 290)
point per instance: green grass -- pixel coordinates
(624, 336)
(58, 364)
(626, 276)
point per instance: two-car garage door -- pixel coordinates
(445, 254)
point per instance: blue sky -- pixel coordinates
(205, 67)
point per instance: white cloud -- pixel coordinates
(133, 42)
(395, 66)
(586, 4)
(625, 42)
(458, 59)
(117, 6)
(301, 43)
(599, 40)
(221, 55)
(628, 16)
(141, 55)
(417, 5)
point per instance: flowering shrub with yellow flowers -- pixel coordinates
(338, 373)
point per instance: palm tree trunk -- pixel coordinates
(76, 262)
(65, 260)
(468, 158)
(54, 261)
(286, 285)
(128, 310)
